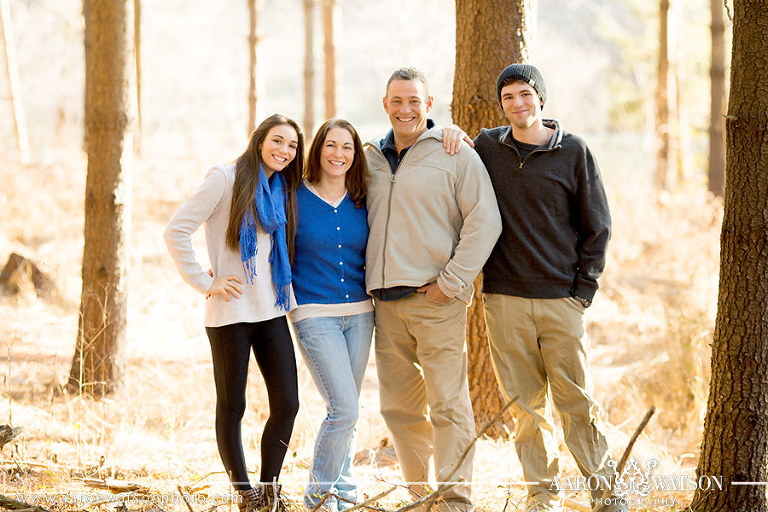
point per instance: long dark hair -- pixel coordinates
(355, 179)
(247, 179)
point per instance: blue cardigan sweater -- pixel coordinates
(329, 260)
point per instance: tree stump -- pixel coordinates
(21, 273)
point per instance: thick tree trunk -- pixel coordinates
(309, 67)
(14, 85)
(330, 19)
(735, 444)
(487, 40)
(101, 330)
(717, 105)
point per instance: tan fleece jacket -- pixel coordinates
(435, 219)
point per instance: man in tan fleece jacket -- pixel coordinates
(433, 221)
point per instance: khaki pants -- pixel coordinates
(421, 359)
(540, 346)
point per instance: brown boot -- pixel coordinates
(251, 500)
(274, 499)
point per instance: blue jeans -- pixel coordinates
(335, 350)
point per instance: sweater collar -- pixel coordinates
(552, 143)
(388, 142)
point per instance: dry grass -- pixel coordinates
(650, 328)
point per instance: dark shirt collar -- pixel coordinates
(388, 142)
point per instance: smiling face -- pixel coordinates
(521, 104)
(278, 148)
(337, 153)
(407, 105)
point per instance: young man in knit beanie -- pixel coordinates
(540, 279)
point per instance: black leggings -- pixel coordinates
(271, 344)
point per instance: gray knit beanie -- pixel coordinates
(525, 72)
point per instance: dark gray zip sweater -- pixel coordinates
(554, 212)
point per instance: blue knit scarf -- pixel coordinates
(269, 204)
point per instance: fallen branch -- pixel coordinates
(110, 499)
(367, 502)
(431, 498)
(623, 461)
(325, 497)
(484, 430)
(115, 486)
(20, 506)
(184, 498)
(8, 434)
(191, 486)
(369, 507)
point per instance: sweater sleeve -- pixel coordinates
(593, 224)
(480, 229)
(190, 215)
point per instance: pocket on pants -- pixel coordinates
(439, 304)
(576, 304)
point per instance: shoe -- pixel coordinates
(251, 500)
(535, 505)
(275, 501)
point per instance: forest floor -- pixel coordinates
(650, 327)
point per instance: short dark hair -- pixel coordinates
(408, 73)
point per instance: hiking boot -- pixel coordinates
(274, 500)
(251, 500)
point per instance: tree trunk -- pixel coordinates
(735, 444)
(662, 99)
(137, 59)
(329, 33)
(716, 173)
(487, 40)
(253, 40)
(14, 85)
(680, 137)
(101, 328)
(309, 67)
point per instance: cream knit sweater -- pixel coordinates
(210, 204)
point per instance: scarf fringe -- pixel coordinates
(269, 206)
(249, 247)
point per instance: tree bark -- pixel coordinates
(14, 85)
(329, 33)
(252, 67)
(309, 67)
(487, 40)
(101, 329)
(716, 174)
(137, 59)
(735, 443)
(662, 100)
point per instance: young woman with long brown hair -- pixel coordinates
(248, 209)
